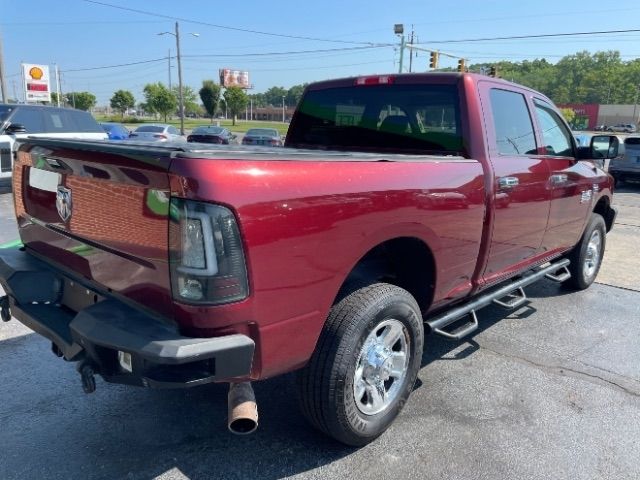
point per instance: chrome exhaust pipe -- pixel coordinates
(243, 410)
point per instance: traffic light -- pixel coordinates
(433, 60)
(493, 72)
(461, 65)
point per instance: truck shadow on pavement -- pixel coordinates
(48, 425)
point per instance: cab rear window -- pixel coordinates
(385, 118)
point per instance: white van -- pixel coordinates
(21, 121)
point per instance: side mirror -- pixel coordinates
(601, 147)
(14, 128)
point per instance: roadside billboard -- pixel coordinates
(37, 87)
(234, 78)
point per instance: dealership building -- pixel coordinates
(588, 116)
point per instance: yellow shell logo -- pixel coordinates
(36, 73)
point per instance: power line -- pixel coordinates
(226, 27)
(293, 52)
(520, 37)
(163, 59)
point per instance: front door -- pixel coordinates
(521, 195)
(571, 182)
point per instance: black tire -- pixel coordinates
(326, 385)
(583, 275)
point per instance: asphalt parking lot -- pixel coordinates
(549, 391)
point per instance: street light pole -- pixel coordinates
(283, 109)
(180, 95)
(169, 60)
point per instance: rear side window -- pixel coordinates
(512, 123)
(385, 118)
(555, 135)
(30, 118)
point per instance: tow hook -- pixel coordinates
(5, 313)
(87, 375)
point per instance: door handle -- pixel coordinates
(559, 178)
(508, 182)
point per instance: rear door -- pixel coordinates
(521, 198)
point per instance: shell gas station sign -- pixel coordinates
(37, 87)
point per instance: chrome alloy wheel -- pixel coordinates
(593, 254)
(382, 367)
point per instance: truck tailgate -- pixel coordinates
(99, 213)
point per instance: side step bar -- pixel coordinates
(514, 290)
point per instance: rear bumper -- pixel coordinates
(160, 356)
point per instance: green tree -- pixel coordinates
(54, 98)
(81, 100)
(210, 96)
(159, 99)
(258, 100)
(274, 95)
(121, 101)
(294, 94)
(189, 97)
(569, 115)
(236, 99)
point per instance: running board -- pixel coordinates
(439, 322)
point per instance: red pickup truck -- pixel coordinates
(401, 205)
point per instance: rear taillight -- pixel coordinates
(189, 138)
(274, 142)
(206, 255)
(160, 136)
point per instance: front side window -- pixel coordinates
(512, 123)
(556, 136)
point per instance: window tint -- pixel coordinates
(210, 130)
(556, 136)
(5, 111)
(385, 118)
(31, 118)
(150, 128)
(267, 132)
(512, 123)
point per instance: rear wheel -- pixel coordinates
(586, 257)
(365, 364)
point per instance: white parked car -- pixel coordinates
(21, 121)
(158, 132)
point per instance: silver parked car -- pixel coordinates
(262, 136)
(158, 132)
(622, 127)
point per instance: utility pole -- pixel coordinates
(3, 80)
(180, 93)
(411, 51)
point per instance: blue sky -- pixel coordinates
(77, 34)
